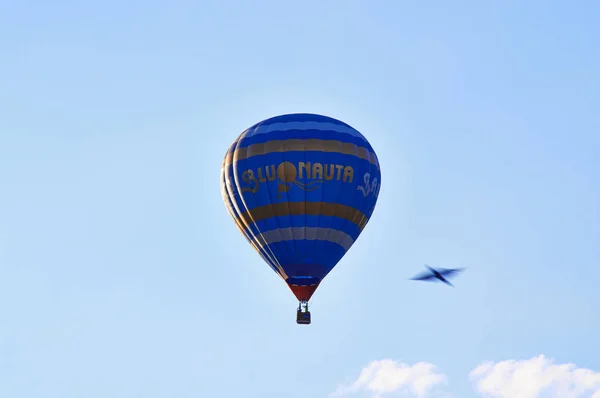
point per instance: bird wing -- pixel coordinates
(449, 271)
(446, 282)
(424, 277)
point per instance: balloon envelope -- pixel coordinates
(301, 188)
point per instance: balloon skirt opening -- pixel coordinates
(303, 293)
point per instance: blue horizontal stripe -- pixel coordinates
(307, 258)
(303, 280)
(299, 117)
(246, 141)
(307, 124)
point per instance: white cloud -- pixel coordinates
(530, 378)
(388, 376)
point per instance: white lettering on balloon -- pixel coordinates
(369, 187)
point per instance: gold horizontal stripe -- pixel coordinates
(301, 208)
(277, 146)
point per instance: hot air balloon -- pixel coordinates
(301, 188)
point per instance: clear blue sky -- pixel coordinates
(122, 275)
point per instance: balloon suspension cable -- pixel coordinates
(303, 306)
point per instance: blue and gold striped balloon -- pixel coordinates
(301, 188)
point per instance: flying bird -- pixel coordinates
(440, 274)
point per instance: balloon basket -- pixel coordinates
(303, 318)
(303, 314)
